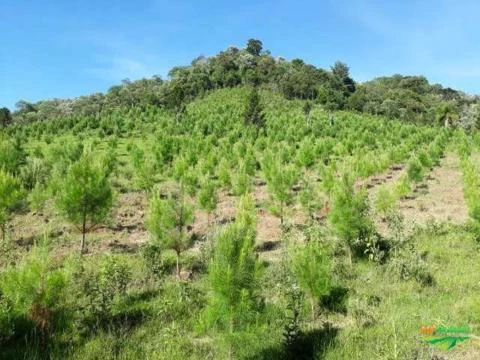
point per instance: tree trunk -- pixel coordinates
(178, 265)
(281, 212)
(350, 255)
(3, 234)
(84, 230)
(312, 307)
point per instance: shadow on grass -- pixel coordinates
(312, 344)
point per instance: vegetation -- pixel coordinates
(235, 135)
(85, 197)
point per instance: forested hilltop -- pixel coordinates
(409, 98)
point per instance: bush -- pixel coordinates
(98, 289)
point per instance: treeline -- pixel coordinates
(409, 98)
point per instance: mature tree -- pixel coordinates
(167, 221)
(10, 195)
(5, 117)
(254, 112)
(447, 114)
(342, 79)
(254, 47)
(85, 196)
(311, 267)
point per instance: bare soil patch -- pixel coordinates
(441, 199)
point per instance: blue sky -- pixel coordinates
(59, 48)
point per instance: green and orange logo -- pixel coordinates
(446, 336)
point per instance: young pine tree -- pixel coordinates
(233, 275)
(85, 197)
(167, 221)
(349, 215)
(208, 198)
(10, 195)
(415, 170)
(280, 180)
(309, 200)
(311, 267)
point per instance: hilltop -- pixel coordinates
(409, 98)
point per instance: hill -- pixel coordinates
(239, 223)
(408, 98)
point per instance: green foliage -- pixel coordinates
(309, 199)
(280, 180)
(10, 195)
(349, 215)
(233, 300)
(241, 182)
(167, 220)
(425, 160)
(306, 153)
(415, 170)
(403, 187)
(253, 113)
(311, 267)
(12, 156)
(254, 47)
(85, 197)
(99, 288)
(35, 172)
(207, 196)
(385, 200)
(35, 290)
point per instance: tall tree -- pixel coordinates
(341, 74)
(5, 117)
(254, 47)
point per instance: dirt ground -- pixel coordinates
(439, 199)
